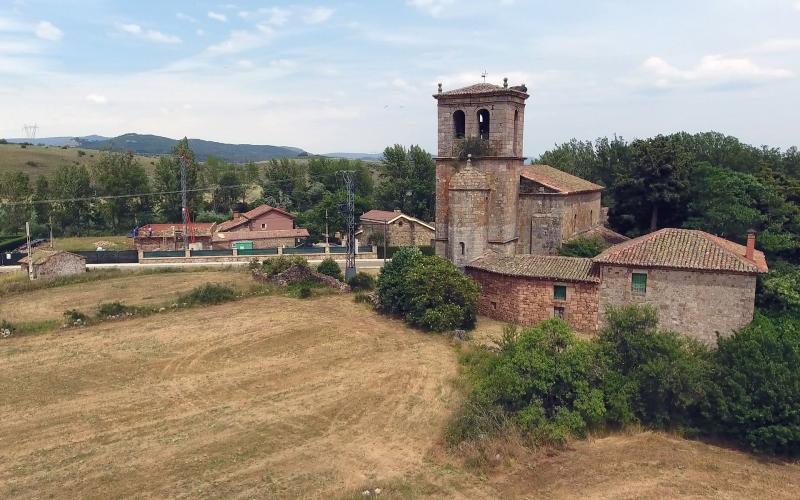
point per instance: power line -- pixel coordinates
(121, 196)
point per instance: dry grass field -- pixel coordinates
(284, 398)
(133, 290)
(44, 160)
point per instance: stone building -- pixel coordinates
(491, 202)
(49, 264)
(401, 230)
(503, 222)
(169, 236)
(529, 289)
(701, 285)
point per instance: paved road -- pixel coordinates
(360, 264)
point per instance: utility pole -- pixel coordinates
(326, 228)
(52, 243)
(30, 250)
(184, 202)
(385, 223)
(349, 212)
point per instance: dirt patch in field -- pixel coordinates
(149, 289)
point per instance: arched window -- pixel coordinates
(459, 124)
(483, 124)
(461, 244)
(516, 125)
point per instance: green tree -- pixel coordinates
(408, 182)
(121, 174)
(228, 191)
(167, 180)
(72, 184)
(15, 194)
(41, 193)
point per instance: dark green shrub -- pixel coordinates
(304, 292)
(758, 378)
(7, 329)
(582, 247)
(780, 290)
(361, 282)
(392, 295)
(429, 292)
(253, 264)
(474, 146)
(74, 317)
(81, 153)
(439, 296)
(209, 293)
(277, 265)
(547, 380)
(114, 309)
(664, 377)
(362, 298)
(329, 267)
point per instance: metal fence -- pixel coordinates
(165, 253)
(211, 253)
(10, 258)
(111, 257)
(258, 251)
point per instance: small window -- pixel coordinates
(560, 292)
(263, 226)
(462, 247)
(494, 305)
(559, 312)
(400, 223)
(639, 283)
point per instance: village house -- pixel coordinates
(49, 264)
(169, 237)
(401, 230)
(261, 227)
(504, 222)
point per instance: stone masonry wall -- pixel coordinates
(529, 301)
(60, 265)
(401, 233)
(698, 304)
(501, 110)
(468, 225)
(540, 223)
(582, 211)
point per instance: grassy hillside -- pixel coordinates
(44, 160)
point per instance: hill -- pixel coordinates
(44, 160)
(151, 145)
(58, 141)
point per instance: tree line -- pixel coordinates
(117, 193)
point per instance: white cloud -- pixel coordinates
(48, 31)
(97, 99)
(185, 17)
(150, 35)
(317, 15)
(797, 6)
(434, 8)
(217, 16)
(241, 41)
(13, 47)
(711, 71)
(278, 16)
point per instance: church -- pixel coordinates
(503, 222)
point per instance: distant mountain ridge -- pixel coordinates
(59, 141)
(151, 145)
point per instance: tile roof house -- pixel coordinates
(702, 285)
(401, 229)
(48, 264)
(169, 236)
(261, 227)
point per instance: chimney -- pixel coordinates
(751, 244)
(398, 211)
(236, 215)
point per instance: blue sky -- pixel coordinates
(359, 75)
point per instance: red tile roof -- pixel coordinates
(261, 235)
(558, 180)
(684, 249)
(380, 215)
(576, 269)
(252, 214)
(42, 256)
(609, 236)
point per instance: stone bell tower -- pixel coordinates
(486, 121)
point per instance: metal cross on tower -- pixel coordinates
(483, 75)
(350, 222)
